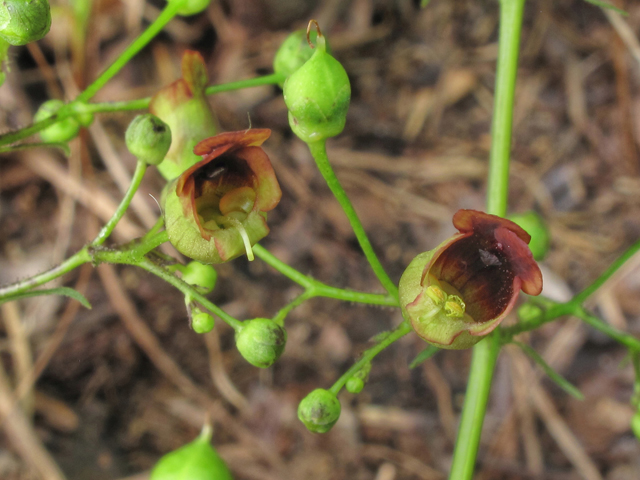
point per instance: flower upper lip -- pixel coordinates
(488, 262)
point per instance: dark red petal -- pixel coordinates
(484, 223)
(521, 260)
(234, 140)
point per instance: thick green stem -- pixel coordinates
(485, 353)
(369, 354)
(141, 168)
(319, 153)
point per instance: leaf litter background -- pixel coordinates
(107, 391)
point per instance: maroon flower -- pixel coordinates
(216, 209)
(462, 290)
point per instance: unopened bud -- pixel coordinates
(319, 411)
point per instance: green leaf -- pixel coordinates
(424, 355)
(424, 3)
(66, 291)
(562, 382)
(602, 4)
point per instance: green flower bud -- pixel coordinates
(61, 131)
(354, 385)
(24, 21)
(319, 411)
(528, 312)
(203, 276)
(201, 322)
(194, 461)
(635, 425)
(317, 96)
(293, 53)
(84, 117)
(148, 138)
(191, 7)
(534, 225)
(261, 341)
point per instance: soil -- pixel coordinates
(121, 384)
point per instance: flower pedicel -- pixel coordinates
(460, 291)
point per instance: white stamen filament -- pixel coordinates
(245, 237)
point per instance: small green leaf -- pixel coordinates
(424, 3)
(65, 291)
(602, 4)
(424, 355)
(562, 382)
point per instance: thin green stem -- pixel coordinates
(187, 289)
(625, 339)
(138, 104)
(284, 311)
(138, 44)
(608, 273)
(319, 289)
(369, 354)
(319, 153)
(69, 264)
(289, 272)
(486, 352)
(141, 168)
(322, 290)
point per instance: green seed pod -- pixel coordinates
(62, 131)
(635, 425)
(203, 276)
(534, 225)
(319, 411)
(201, 322)
(293, 53)
(317, 96)
(191, 7)
(148, 138)
(261, 342)
(194, 461)
(24, 21)
(354, 385)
